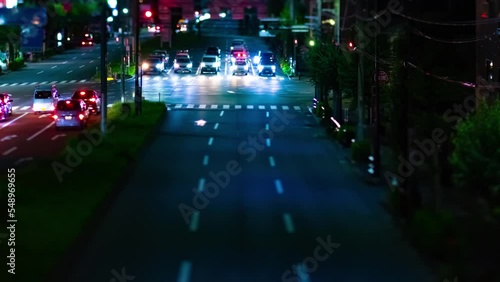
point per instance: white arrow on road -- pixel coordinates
(23, 160)
(44, 116)
(57, 136)
(7, 138)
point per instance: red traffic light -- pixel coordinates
(351, 45)
(148, 14)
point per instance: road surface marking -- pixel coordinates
(41, 131)
(302, 273)
(23, 83)
(83, 54)
(5, 84)
(10, 122)
(83, 80)
(237, 107)
(210, 141)
(279, 186)
(45, 82)
(268, 142)
(81, 66)
(23, 160)
(53, 82)
(44, 116)
(57, 136)
(178, 106)
(274, 108)
(287, 218)
(165, 78)
(205, 160)
(216, 126)
(262, 107)
(297, 108)
(25, 108)
(221, 113)
(39, 72)
(194, 221)
(267, 114)
(9, 151)
(285, 108)
(249, 107)
(74, 58)
(184, 272)
(202, 106)
(214, 106)
(156, 78)
(53, 67)
(14, 84)
(91, 62)
(190, 106)
(225, 107)
(201, 184)
(110, 105)
(69, 71)
(15, 108)
(33, 83)
(229, 91)
(267, 126)
(73, 81)
(64, 62)
(64, 81)
(271, 162)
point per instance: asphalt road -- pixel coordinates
(244, 194)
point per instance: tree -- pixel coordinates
(476, 156)
(322, 61)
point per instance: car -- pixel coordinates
(267, 66)
(71, 113)
(210, 63)
(238, 43)
(214, 51)
(240, 67)
(44, 99)
(3, 114)
(183, 65)
(153, 65)
(88, 40)
(237, 54)
(163, 53)
(91, 99)
(161, 57)
(6, 101)
(182, 53)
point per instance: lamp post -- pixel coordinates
(138, 90)
(104, 69)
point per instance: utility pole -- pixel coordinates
(361, 75)
(138, 90)
(124, 58)
(376, 144)
(104, 68)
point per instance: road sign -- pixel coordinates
(382, 77)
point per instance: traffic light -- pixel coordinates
(351, 46)
(148, 14)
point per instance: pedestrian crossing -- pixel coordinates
(208, 77)
(18, 108)
(46, 82)
(233, 107)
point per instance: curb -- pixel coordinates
(67, 262)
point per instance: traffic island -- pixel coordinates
(60, 201)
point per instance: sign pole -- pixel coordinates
(104, 69)
(376, 149)
(138, 94)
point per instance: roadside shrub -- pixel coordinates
(16, 64)
(360, 151)
(345, 134)
(286, 67)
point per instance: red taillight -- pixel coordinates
(92, 99)
(55, 117)
(68, 102)
(80, 116)
(83, 43)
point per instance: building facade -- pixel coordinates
(237, 9)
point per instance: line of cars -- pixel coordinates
(156, 62)
(239, 60)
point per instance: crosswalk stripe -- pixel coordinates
(225, 107)
(14, 84)
(273, 108)
(64, 81)
(156, 78)
(249, 107)
(202, 106)
(44, 82)
(285, 108)
(165, 78)
(5, 84)
(15, 108)
(190, 106)
(145, 77)
(214, 106)
(23, 83)
(53, 82)
(237, 107)
(33, 83)
(83, 80)
(261, 107)
(73, 81)
(110, 105)
(24, 108)
(297, 108)
(178, 106)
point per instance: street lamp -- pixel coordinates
(125, 11)
(115, 13)
(311, 43)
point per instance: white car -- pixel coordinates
(210, 63)
(240, 67)
(183, 65)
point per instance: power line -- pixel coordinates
(461, 83)
(418, 32)
(464, 23)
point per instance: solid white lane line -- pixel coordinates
(10, 122)
(267, 126)
(184, 272)
(271, 162)
(193, 226)
(201, 184)
(267, 114)
(221, 113)
(279, 186)
(287, 218)
(216, 126)
(210, 141)
(9, 151)
(205, 160)
(40, 132)
(268, 142)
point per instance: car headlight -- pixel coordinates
(256, 59)
(176, 66)
(216, 64)
(158, 66)
(273, 68)
(145, 65)
(190, 65)
(260, 68)
(202, 65)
